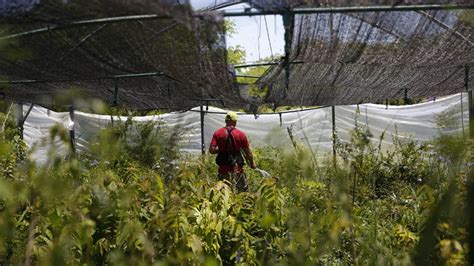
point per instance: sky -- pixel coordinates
(252, 33)
(253, 36)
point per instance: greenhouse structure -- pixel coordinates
(369, 107)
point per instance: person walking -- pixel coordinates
(229, 143)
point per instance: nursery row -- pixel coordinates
(136, 199)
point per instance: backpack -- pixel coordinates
(230, 158)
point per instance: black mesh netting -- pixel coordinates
(188, 51)
(347, 58)
(367, 57)
(62, 11)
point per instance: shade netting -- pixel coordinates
(357, 57)
(179, 58)
(50, 47)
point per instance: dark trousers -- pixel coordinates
(238, 181)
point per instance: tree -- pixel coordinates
(235, 54)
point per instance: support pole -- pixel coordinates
(264, 64)
(114, 77)
(333, 111)
(203, 149)
(19, 118)
(316, 10)
(350, 9)
(471, 115)
(116, 81)
(405, 97)
(72, 134)
(470, 101)
(288, 24)
(462, 118)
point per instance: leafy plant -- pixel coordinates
(135, 199)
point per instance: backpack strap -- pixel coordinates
(230, 138)
(232, 156)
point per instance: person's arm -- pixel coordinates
(247, 152)
(249, 157)
(213, 148)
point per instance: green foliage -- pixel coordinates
(236, 55)
(229, 27)
(135, 200)
(12, 148)
(406, 163)
(467, 16)
(253, 74)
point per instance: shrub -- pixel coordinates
(135, 199)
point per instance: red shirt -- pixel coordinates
(219, 139)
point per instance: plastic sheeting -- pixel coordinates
(312, 128)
